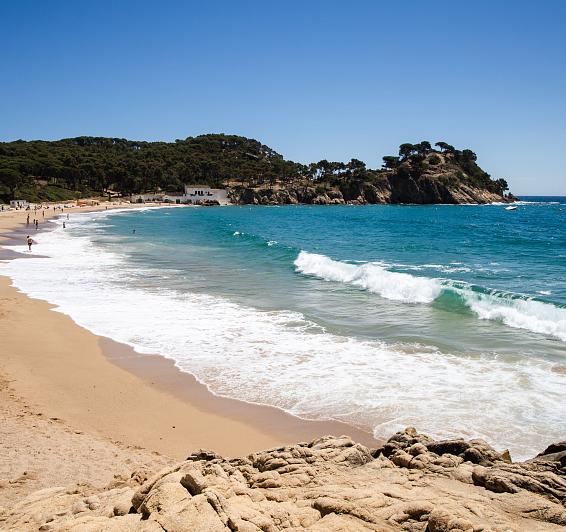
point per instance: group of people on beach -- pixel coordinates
(29, 239)
(35, 222)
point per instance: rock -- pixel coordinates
(141, 493)
(554, 448)
(413, 484)
(506, 456)
(122, 508)
(416, 449)
(123, 503)
(93, 503)
(443, 521)
(79, 507)
(511, 478)
(456, 447)
(203, 455)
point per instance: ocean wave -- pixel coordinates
(520, 312)
(513, 310)
(370, 276)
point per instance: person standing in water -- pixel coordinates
(30, 242)
(63, 225)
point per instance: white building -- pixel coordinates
(194, 194)
(19, 203)
(200, 194)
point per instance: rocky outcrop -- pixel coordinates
(420, 175)
(290, 195)
(412, 483)
(395, 190)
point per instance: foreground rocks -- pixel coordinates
(412, 483)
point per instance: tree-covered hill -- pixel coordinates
(87, 164)
(53, 170)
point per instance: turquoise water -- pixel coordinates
(248, 254)
(449, 318)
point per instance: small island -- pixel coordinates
(251, 172)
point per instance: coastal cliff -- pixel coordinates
(412, 483)
(393, 190)
(420, 175)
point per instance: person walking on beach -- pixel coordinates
(30, 242)
(27, 221)
(36, 225)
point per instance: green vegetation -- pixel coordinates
(84, 166)
(413, 156)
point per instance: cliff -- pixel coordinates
(420, 177)
(394, 191)
(412, 483)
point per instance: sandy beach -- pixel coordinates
(74, 402)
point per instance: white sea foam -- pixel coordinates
(518, 312)
(528, 314)
(282, 359)
(372, 277)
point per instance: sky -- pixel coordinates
(312, 79)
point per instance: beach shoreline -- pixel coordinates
(95, 435)
(102, 388)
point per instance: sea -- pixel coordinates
(448, 318)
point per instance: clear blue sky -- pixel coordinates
(312, 79)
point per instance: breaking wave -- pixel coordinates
(372, 277)
(513, 310)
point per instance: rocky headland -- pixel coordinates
(412, 483)
(392, 190)
(419, 175)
